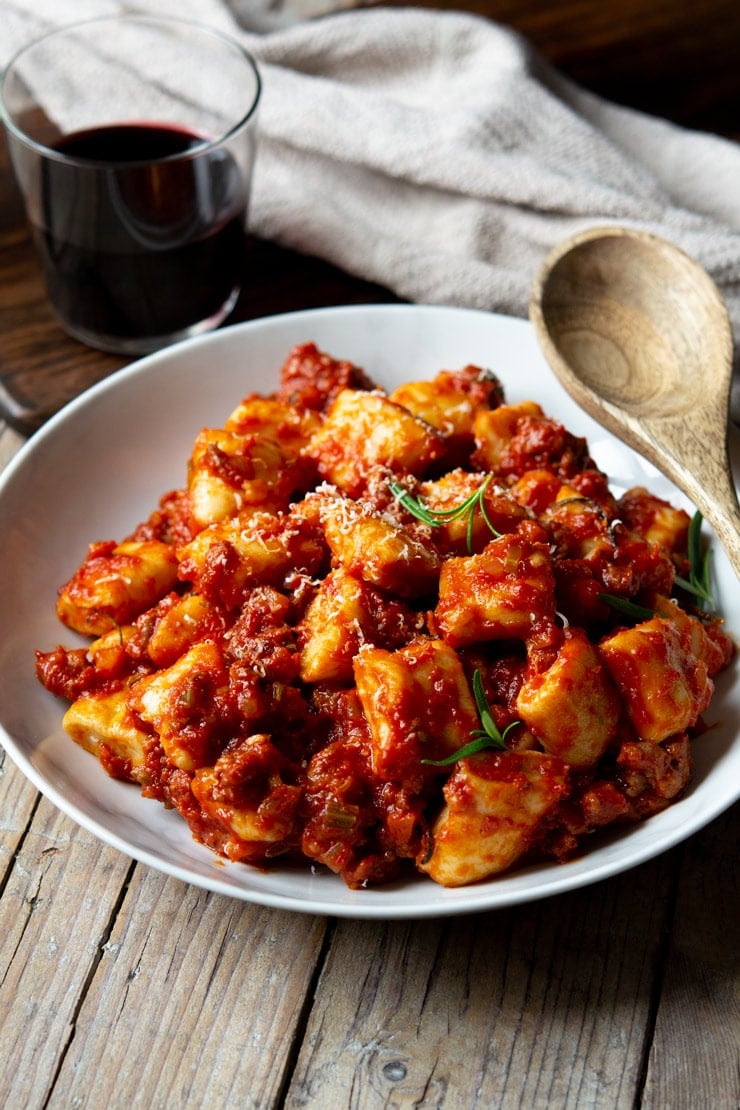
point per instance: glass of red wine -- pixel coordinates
(133, 142)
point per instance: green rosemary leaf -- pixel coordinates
(484, 510)
(413, 505)
(489, 736)
(479, 744)
(627, 607)
(465, 507)
(484, 710)
(698, 583)
(692, 588)
(469, 532)
(434, 518)
(694, 545)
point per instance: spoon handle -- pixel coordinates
(703, 471)
(690, 451)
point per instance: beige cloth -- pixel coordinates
(437, 154)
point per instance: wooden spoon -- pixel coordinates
(638, 334)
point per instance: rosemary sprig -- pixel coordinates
(488, 736)
(434, 518)
(698, 582)
(627, 608)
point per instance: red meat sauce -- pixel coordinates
(299, 756)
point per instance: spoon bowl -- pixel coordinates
(638, 334)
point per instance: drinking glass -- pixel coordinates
(133, 141)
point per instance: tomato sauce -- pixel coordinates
(488, 667)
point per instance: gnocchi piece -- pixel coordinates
(660, 670)
(495, 804)
(290, 427)
(181, 704)
(579, 527)
(108, 653)
(654, 519)
(448, 492)
(417, 703)
(232, 472)
(363, 431)
(377, 549)
(538, 442)
(500, 593)
(572, 708)
(224, 559)
(115, 584)
(494, 429)
(449, 402)
(333, 629)
(538, 489)
(245, 794)
(103, 724)
(345, 614)
(177, 625)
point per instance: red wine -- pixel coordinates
(136, 244)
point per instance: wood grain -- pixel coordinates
(637, 332)
(46, 957)
(696, 1047)
(542, 1006)
(120, 987)
(218, 985)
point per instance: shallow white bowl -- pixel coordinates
(99, 467)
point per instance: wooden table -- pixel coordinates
(121, 987)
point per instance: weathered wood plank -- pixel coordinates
(545, 1005)
(195, 1002)
(695, 1056)
(560, 1014)
(17, 801)
(54, 916)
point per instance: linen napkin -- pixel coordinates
(437, 154)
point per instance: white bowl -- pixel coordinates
(98, 468)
